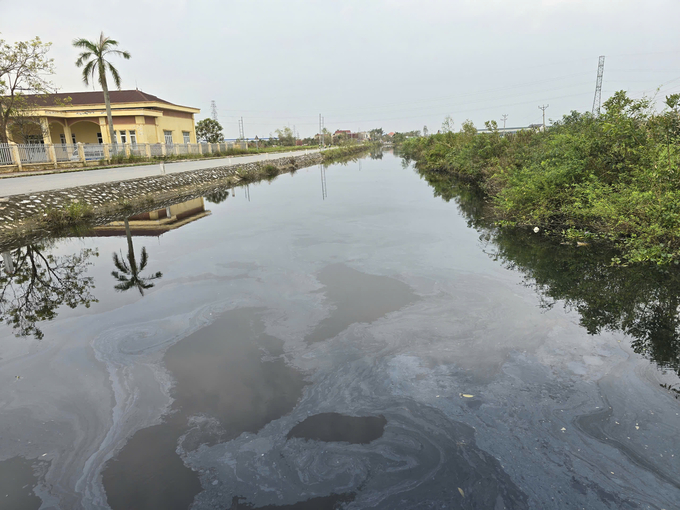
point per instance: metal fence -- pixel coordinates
(6, 157)
(64, 153)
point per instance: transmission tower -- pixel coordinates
(241, 133)
(504, 118)
(598, 87)
(213, 110)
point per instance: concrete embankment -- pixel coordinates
(31, 216)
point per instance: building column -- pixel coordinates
(16, 155)
(159, 132)
(45, 127)
(104, 130)
(52, 154)
(139, 129)
(67, 132)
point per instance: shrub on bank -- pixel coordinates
(614, 176)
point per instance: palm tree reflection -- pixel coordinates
(128, 271)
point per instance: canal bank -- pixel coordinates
(26, 215)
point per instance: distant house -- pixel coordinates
(391, 134)
(345, 132)
(75, 117)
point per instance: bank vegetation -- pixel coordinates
(612, 177)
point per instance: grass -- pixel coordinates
(72, 214)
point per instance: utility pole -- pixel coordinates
(544, 108)
(504, 118)
(597, 101)
(213, 110)
(320, 132)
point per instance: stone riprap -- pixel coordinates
(23, 216)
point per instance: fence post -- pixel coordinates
(147, 150)
(107, 152)
(81, 152)
(15, 154)
(176, 147)
(127, 150)
(52, 154)
(164, 149)
(210, 151)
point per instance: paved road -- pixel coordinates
(33, 183)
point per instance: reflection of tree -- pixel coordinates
(218, 195)
(128, 273)
(39, 283)
(641, 301)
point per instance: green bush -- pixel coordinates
(613, 177)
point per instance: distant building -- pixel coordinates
(75, 117)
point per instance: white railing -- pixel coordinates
(27, 154)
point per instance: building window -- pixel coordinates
(73, 137)
(187, 136)
(99, 138)
(62, 139)
(133, 137)
(123, 138)
(168, 137)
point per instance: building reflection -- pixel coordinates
(157, 222)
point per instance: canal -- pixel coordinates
(356, 336)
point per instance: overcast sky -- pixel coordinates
(395, 64)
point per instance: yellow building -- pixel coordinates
(80, 117)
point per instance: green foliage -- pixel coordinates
(613, 177)
(24, 66)
(286, 136)
(39, 282)
(209, 130)
(93, 60)
(72, 214)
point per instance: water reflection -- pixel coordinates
(218, 195)
(129, 274)
(640, 301)
(35, 282)
(152, 223)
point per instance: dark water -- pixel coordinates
(360, 339)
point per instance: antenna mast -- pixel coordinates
(597, 101)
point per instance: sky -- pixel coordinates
(399, 65)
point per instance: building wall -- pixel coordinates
(85, 131)
(176, 124)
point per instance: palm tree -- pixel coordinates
(94, 60)
(128, 273)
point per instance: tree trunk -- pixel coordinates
(131, 250)
(107, 100)
(3, 129)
